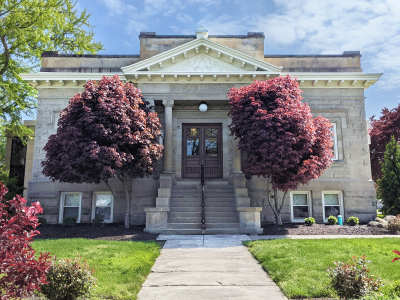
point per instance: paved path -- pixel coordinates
(207, 267)
(215, 267)
(327, 236)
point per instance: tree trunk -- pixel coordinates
(275, 204)
(128, 202)
(278, 219)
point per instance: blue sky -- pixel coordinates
(291, 27)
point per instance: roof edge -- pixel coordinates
(56, 54)
(240, 36)
(344, 54)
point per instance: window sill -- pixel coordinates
(338, 163)
(298, 220)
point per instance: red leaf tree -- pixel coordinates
(107, 131)
(381, 131)
(20, 272)
(283, 142)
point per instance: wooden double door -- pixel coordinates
(202, 144)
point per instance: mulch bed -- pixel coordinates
(112, 232)
(321, 229)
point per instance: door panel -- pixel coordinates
(202, 143)
(191, 151)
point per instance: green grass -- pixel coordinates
(299, 267)
(120, 267)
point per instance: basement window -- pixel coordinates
(70, 206)
(332, 203)
(103, 210)
(300, 204)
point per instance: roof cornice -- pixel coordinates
(306, 79)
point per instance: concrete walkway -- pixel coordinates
(207, 267)
(318, 237)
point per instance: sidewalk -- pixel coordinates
(326, 236)
(207, 267)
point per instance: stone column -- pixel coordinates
(168, 142)
(157, 217)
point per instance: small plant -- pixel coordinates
(68, 279)
(353, 221)
(394, 225)
(332, 220)
(69, 221)
(352, 279)
(309, 221)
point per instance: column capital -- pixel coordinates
(168, 102)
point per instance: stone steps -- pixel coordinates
(199, 231)
(185, 208)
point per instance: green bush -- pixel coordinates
(394, 225)
(68, 279)
(69, 221)
(388, 184)
(352, 279)
(309, 221)
(332, 220)
(353, 221)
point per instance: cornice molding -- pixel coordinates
(307, 80)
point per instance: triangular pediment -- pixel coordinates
(200, 56)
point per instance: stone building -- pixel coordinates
(186, 78)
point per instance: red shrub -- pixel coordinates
(21, 273)
(396, 258)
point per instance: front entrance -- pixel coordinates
(201, 143)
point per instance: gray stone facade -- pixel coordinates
(333, 87)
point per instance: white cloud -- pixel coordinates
(310, 26)
(333, 26)
(119, 7)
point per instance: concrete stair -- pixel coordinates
(185, 208)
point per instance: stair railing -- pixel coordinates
(203, 203)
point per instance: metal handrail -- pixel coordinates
(203, 203)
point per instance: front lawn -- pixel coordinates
(299, 266)
(120, 267)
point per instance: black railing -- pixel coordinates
(203, 203)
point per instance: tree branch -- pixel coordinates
(109, 186)
(6, 54)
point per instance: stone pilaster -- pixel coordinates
(168, 136)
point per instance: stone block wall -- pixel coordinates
(351, 173)
(51, 102)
